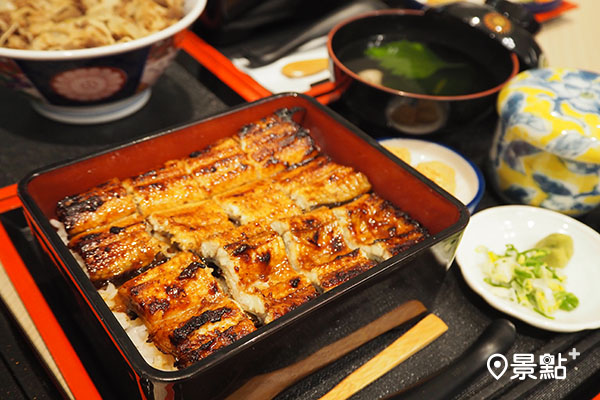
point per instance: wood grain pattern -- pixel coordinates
(9, 295)
(419, 336)
(267, 386)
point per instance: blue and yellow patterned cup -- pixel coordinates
(546, 149)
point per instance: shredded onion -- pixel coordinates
(78, 24)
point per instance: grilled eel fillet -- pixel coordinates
(342, 268)
(220, 166)
(163, 188)
(269, 171)
(316, 247)
(256, 201)
(190, 225)
(276, 142)
(378, 227)
(259, 149)
(115, 252)
(98, 206)
(213, 170)
(258, 273)
(321, 182)
(186, 312)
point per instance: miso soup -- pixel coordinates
(416, 67)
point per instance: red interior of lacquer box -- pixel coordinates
(391, 180)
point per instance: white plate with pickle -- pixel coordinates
(443, 165)
(531, 285)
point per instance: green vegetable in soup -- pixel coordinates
(412, 60)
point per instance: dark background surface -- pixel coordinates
(186, 93)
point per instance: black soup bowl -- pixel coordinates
(417, 72)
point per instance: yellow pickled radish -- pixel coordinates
(401, 152)
(439, 172)
(300, 69)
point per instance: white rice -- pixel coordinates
(135, 328)
(138, 333)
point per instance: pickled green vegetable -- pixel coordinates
(530, 277)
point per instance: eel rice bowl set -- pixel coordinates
(203, 256)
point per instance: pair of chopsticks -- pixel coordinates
(267, 386)
(416, 338)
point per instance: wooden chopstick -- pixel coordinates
(267, 386)
(416, 338)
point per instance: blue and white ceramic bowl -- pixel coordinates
(96, 84)
(546, 150)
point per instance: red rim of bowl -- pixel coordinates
(353, 75)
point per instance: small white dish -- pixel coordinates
(470, 184)
(271, 78)
(523, 226)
